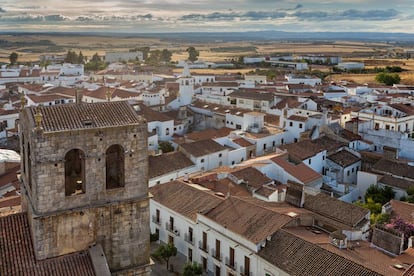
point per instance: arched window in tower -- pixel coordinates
(115, 175)
(74, 172)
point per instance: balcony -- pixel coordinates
(231, 265)
(202, 247)
(189, 238)
(156, 220)
(216, 255)
(172, 229)
(245, 273)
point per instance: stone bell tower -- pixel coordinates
(84, 182)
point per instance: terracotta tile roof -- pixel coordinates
(259, 96)
(403, 209)
(220, 84)
(185, 199)
(291, 102)
(47, 98)
(297, 256)
(272, 119)
(298, 118)
(152, 115)
(393, 167)
(17, 253)
(202, 147)
(335, 209)
(69, 91)
(408, 109)
(344, 158)
(305, 149)
(266, 191)
(209, 133)
(242, 142)
(301, 172)
(167, 162)
(396, 182)
(349, 135)
(86, 115)
(243, 218)
(225, 186)
(252, 177)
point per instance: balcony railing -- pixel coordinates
(172, 229)
(216, 255)
(231, 265)
(245, 273)
(189, 238)
(156, 220)
(202, 247)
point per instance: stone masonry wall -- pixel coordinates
(49, 167)
(122, 230)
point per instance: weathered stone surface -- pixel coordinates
(118, 219)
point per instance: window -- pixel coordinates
(220, 155)
(190, 234)
(204, 263)
(246, 265)
(290, 124)
(310, 161)
(300, 125)
(202, 160)
(157, 216)
(170, 239)
(218, 270)
(323, 157)
(347, 173)
(74, 172)
(353, 169)
(231, 257)
(115, 175)
(217, 255)
(204, 245)
(190, 255)
(171, 226)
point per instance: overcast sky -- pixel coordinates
(143, 16)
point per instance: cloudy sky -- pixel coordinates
(143, 16)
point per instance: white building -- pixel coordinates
(351, 65)
(123, 56)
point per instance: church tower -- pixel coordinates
(85, 182)
(186, 91)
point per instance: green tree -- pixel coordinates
(166, 55)
(192, 269)
(192, 53)
(165, 146)
(166, 251)
(95, 64)
(81, 58)
(13, 58)
(71, 57)
(154, 58)
(379, 195)
(388, 78)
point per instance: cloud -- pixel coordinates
(250, 15)
(351, 14)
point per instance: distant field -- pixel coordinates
(29, 48)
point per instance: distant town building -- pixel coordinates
(123, 56)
